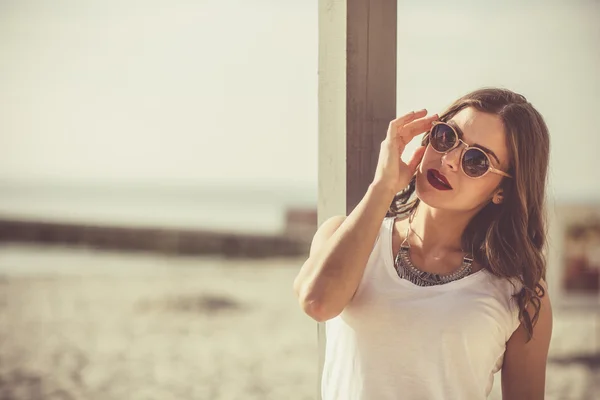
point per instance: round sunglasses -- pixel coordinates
(474, 162)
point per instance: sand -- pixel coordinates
(78, 324)
(81, 325)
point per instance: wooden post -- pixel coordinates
(357, 101)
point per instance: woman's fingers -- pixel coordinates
(407, 132)
(403, 120)
(415, 159)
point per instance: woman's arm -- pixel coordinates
(339, 253)
(524, 368)
(341, 247)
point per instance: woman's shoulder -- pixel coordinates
(513, 282)
(503, 288)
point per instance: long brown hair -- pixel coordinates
(507, 239)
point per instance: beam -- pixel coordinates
(357, 101)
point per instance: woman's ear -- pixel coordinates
(498, 197)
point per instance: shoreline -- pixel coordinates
(160, 240)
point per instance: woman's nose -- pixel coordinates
(452, 158)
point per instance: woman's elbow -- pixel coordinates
(317, 309)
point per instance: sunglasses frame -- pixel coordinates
(462, 154)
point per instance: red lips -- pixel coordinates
(438, 180)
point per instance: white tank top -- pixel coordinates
(396, 340)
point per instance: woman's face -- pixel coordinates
(466, 193)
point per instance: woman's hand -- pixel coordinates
(391, 171)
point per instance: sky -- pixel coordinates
(184, 92)
(226, 91)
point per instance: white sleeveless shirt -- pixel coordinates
(396, 340)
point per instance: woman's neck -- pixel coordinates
(437, 232)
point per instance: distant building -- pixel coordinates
(301, 223)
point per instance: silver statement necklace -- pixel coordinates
(406, 269)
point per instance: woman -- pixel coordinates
(429, 297)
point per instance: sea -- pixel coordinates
(240, 208)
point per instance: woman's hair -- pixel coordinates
(508, 239)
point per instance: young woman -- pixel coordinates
(436, 280)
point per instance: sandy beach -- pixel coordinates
(82, 325)
(78, 324)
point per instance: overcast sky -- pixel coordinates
(189, 92)
(226, 90)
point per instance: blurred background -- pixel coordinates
(158, 185)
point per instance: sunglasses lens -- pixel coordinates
(442, 138)
(475, 163)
